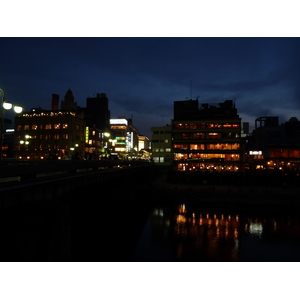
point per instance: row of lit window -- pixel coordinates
(41, 147)
(48, 114)
(160, 141)
(206, 125)
(202, 167)
(46, 126)
(47, 137)
(225, 146)
(221, 156)
(94, 143)
(285, 153)
(203, 136)
(161, 149)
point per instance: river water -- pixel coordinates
(175, 233)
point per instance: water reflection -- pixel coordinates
(190, 234)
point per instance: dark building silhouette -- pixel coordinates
(96, 113)
(55, 102)
(68, 104)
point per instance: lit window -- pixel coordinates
(34, 127)
(57, 126)
(48, 126)
(197, 147)
(161, 159)
(65, 126)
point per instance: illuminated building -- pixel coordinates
(119, 129)
(50, 134)
(96, 143)
(125, 137)
(144, 143)
(206, 138)
(273, 146)
(161, 145)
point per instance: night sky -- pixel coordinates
(143, 76)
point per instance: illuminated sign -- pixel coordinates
(118, 121)
(255, 152)
(86, 134)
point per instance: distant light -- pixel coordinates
(10, 130)
(106, 134)
(72, 149)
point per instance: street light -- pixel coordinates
(6, 106)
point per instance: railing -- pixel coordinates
(74, 175)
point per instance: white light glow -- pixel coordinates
(18, 109)
(7, 105)
(118, 121)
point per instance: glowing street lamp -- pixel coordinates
(6, 106)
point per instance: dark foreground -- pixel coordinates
(105, 223)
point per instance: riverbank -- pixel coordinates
(225, 196)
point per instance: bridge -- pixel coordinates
(24, 181)
(72, 210)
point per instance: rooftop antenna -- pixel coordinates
(191, 89)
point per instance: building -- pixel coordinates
(96, 113)
(132, 137)
(125, 138)
(206, 137)
(8, 139)
(68, 104)
(161, 145)
(119, 138)
(97, 131)
(273, 146)
(144, 143)
(96, 143)
(50, 134)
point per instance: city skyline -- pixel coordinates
(142, 77)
